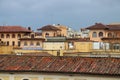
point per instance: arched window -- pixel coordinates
(19, 35)
(2, 35)
(109, 34)
(32, 36)
(100, 34)
(18, 43)
(94, 34)
(47, 34)
(31, 44)
(13, 35)
(37, 44)
(13, 43)
(8, 36)
(25, 44)
(7, 43)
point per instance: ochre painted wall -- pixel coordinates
(10, 39)
(47, 76)
(54, 45)
(83, 46)
(6, 49)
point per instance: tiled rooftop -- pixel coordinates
(103, 26)
(13, 29)
(86, 65)
(98, 26)
(49, 28)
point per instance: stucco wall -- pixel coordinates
(83, 46)
(34, 76)
(10, 39)
(6, 49)
(53, 45)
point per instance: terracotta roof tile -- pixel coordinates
(114, 27)
(49, 28)
(103, 26)
(13, 29)
(108, 66)
(98, 26)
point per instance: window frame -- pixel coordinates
(25, 43)
(13, 36)
(19, 35)
(7, 35)
(37, 43)
(94, 34)
(31, 43)
(2, 35)
(109, 34)
(100, 34)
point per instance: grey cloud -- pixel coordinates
(67, 12)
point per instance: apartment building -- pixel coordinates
(53, 30)
(108, 34)
(11, 34)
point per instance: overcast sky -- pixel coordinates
(72, 13)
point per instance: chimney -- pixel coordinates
(29, 28)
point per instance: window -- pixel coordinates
(109, 34)
(71, 45)
(47, 34)
(116, 46)
(94, 34)
(13, 43)
(2, 35)
(7, 36)
(25, 44)
(32, 36)
(13, 35)
(31, 44)
(7, 43)
(18, 43)
(100, 34)
(37, 44)
(19, 35)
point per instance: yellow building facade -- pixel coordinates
(53, 30)
(36, 76)
(79, 45)
(83, 46)
(6, 49)
(11, 34)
